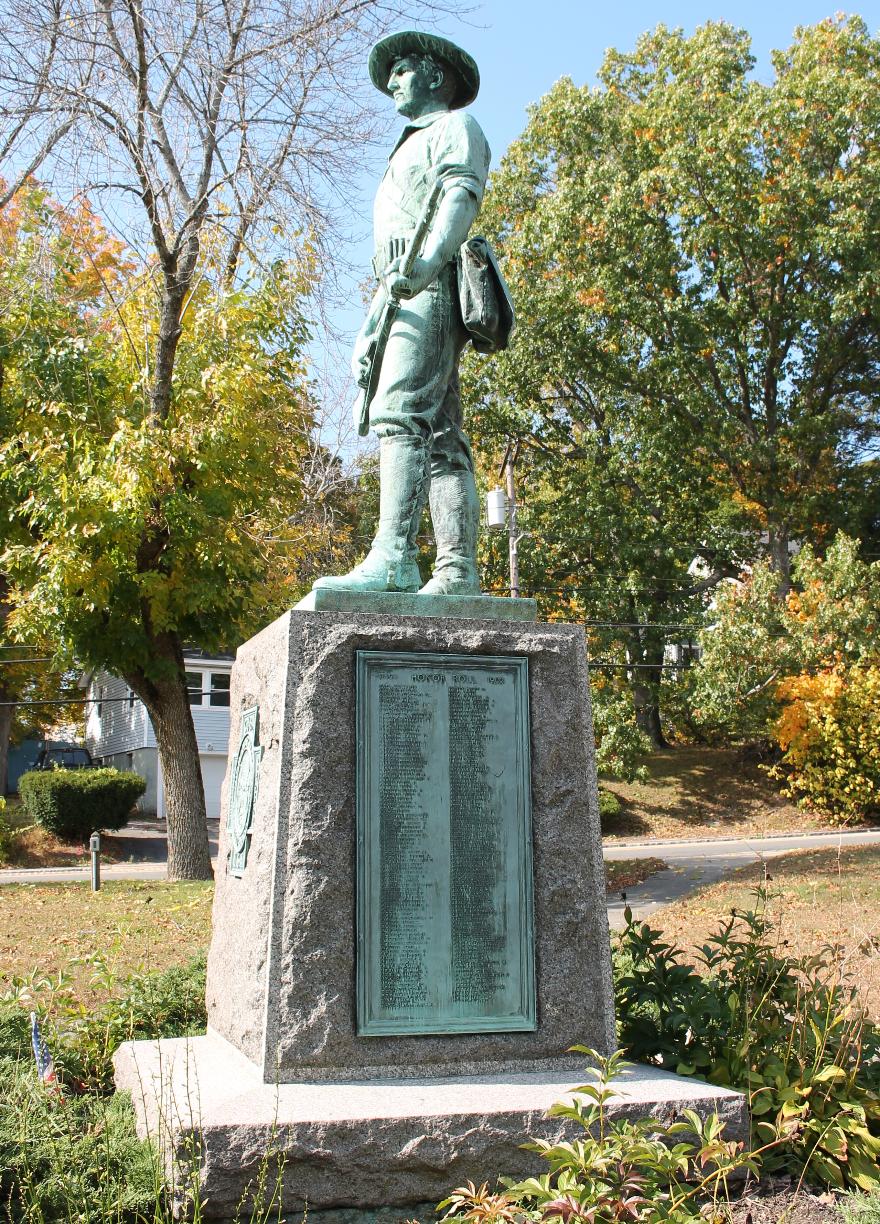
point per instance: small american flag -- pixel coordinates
(45, 1065)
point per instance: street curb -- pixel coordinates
(608, 843)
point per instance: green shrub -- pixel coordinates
(610, 807)
(74, 802)
(616, 1171)
(860, 1208)
(7, 837)
(787, 1032)
(72, 1157)
(83, 1037)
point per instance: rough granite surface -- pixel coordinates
(373, 1151)
(281, 969)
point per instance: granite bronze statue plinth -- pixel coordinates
(386, 840)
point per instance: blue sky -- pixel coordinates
(524, 46)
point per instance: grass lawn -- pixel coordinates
(818, 897)
(703, 793)
(55, 928)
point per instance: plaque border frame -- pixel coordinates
(526, 1020)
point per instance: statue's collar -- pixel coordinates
(412, 125)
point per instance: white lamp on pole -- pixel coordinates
(496, 510)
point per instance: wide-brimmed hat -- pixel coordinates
(413, 42)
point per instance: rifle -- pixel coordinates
(369, 380)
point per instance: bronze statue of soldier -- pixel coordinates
(407, 353)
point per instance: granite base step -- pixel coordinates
(372, 1151)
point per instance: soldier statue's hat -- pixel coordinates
(414, 42)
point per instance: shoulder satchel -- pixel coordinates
(486, 305)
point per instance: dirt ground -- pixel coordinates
(778, 1204)
(817, 898)
(704, 793)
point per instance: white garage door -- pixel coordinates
(213, 772)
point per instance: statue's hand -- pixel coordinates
(422, 275)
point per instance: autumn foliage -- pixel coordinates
(803, 671)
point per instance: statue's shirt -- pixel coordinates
(446, 145)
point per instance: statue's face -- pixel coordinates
(413, 85)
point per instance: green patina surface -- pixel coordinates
(399, 603)
(243, 792)
(407, 352)
(445, 910)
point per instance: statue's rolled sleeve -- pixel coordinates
(460, 154)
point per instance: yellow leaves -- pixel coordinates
(593, 298)
(827, 730)
(806, 697)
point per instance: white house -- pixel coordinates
(119, 731)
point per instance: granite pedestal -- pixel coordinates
(368, 1123)
(377, 1152)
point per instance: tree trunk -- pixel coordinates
(646, 648)
(6, 713)
(779, 557)
(167, 702)
(646, 699)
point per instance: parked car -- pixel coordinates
(64, 756)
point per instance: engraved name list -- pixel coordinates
(444, 845)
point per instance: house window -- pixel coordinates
(219, 689)
(194, 687)
(100, 705)
(131, 699)
(208, 688)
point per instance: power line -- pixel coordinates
(31, 659)
(65, 701)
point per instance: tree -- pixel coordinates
(88, 469)
(696, 361)
(219, 136)
(802, 672)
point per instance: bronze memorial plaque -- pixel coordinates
(445, 928)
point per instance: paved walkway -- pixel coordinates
(703, 862)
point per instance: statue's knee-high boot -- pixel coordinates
(391, 564)
(455, 513)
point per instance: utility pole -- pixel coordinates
(511, 455)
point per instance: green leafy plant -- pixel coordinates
(617, 1170)
(84, 1036)
(7, 836)
(610, 807)
(73, 803)
(72, 1157)
(786, 1031)
(69, 1151)
(860, 1208)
